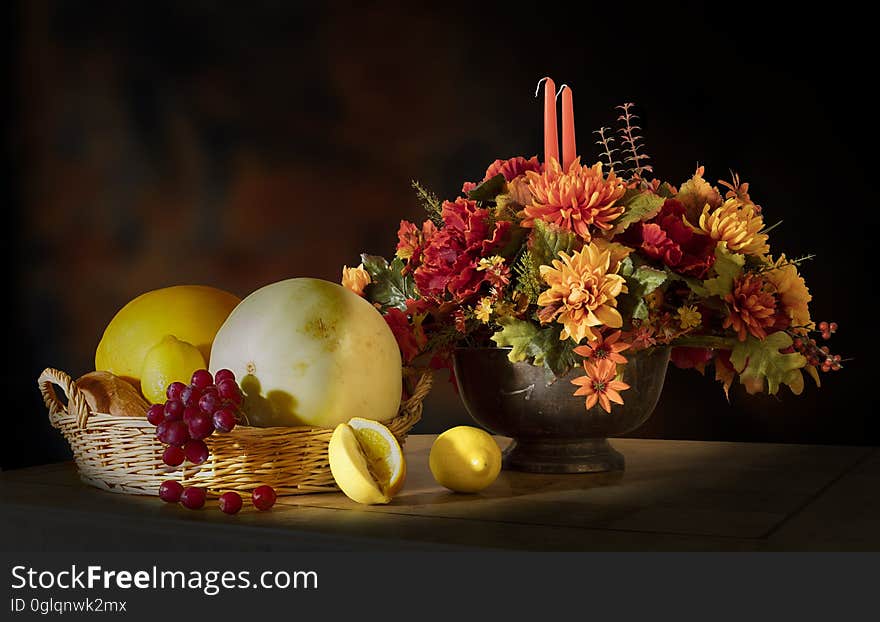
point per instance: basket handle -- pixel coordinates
(423, 387)
(76, 401)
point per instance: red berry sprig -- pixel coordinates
(816, 355)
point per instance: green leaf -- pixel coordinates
(557, 354)
(638, 206)
(548, 241)
(489, 189)
(696, 285)
(728, 266)
(758, 360)
(665, 191)
(519, 335)
(536, 345)
(641, 280)
(389, 287)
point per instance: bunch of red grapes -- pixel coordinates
(191, 414)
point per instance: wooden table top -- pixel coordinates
(674, 495)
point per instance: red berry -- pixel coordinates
(826, 366)
(196, 451)
(156, 414)
(263, 497)
(170, 490)
(825, 350)
(826, 335)
(209, 403)
(823, 326)
(201, 379)
(176, 433)
(200, 426)
(230, 502)
(174, 410)
(173, 456)
(224, 420)
(833, 327)
(193, 498)
(174, 390)
(798, 342)
(190, 397)
(223, 374)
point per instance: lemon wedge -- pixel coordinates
(366, 461)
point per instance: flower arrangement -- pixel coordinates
(573, 265)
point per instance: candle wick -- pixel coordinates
(564, 86)
(540, 82)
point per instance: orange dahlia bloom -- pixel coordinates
(739, 224)
(577, 199)
(607, 349)
(583, 293)
(355, 279)
(751, 307)
(792, 292)
(600, 384)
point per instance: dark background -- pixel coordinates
(237, 144)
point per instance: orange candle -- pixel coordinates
(569, 150)
(551, 140)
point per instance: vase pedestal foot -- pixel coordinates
(590, 455)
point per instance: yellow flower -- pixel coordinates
(491, 263)
(483, 310)
(583, 293)
(792, 292)
(355, 279)
(739, 224)
(689, 317)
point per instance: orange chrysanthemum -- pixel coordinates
(355, 279)
(583, 293)
(607, 349)
(751, 307)
(792, 292)
(578, 199)
(600, 384)
(739, 224)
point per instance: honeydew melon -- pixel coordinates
(310, 352)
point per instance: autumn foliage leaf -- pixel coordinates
(639, 206)
(760, 360)
(728, 266)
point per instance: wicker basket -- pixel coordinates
(122, 454)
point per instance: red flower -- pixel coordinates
(669, 238)
(410, 339)
(511, 169)
(691, 358)
(450, 258)
(411, 240)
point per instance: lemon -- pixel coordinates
(170, 360)
(465, 459)
(192, 313)
(366, 461)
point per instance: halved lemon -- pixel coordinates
(366, 461)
